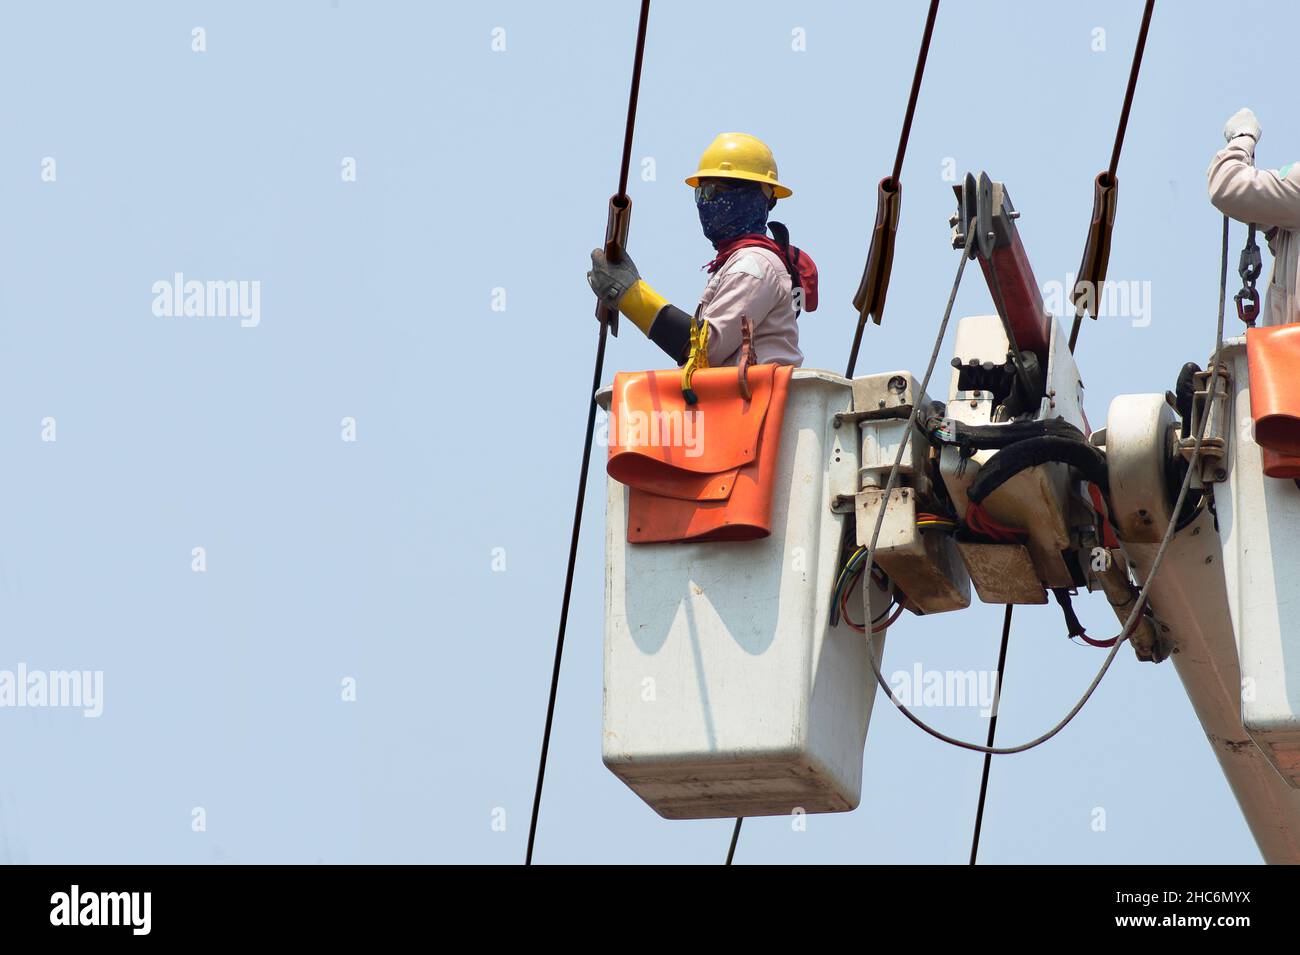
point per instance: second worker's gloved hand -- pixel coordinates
(611, 280)
(1242, 123)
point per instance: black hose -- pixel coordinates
(982, 437)
(1073, 625)
(1010, 461)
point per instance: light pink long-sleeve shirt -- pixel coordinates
(753, 282)
(1270, 199)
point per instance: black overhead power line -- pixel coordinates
(620, 206)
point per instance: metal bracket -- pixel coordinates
(982, 205)
(1214, 448)
(879, 414)
(746, 357)
(843, 469)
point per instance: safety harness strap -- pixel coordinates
(789, 256)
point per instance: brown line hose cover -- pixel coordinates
(1096, 251)
(1273, 356)
(870, 297)
(620, 217)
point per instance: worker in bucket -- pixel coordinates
(765, 280)
(1270, 199)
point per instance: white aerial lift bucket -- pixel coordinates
(1259, 524)
(726, 692)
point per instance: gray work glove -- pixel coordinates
(611, 280)
(1242, 123)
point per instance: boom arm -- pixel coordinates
(1192, 599)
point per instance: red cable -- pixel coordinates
(979, 521)
(844, 610)
(888, 623)
(1100, 644)
(1108, 537)
(844, 613)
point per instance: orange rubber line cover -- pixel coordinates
(1273, 357)
(1280, 465)
(703, 472)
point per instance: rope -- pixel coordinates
(586, 453)
(1122, 637)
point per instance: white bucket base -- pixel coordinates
(726, 694)
(1259, 524)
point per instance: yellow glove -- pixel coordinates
(641, 304)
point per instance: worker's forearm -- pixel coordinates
(664, 324)
(1239, 190)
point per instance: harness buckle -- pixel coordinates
(699, 357)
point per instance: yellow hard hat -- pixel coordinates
(739, 156)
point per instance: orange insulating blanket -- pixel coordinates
(1273, 356)
(702, 472)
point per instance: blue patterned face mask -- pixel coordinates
(736, 212)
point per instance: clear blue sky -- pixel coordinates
(373, 559)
